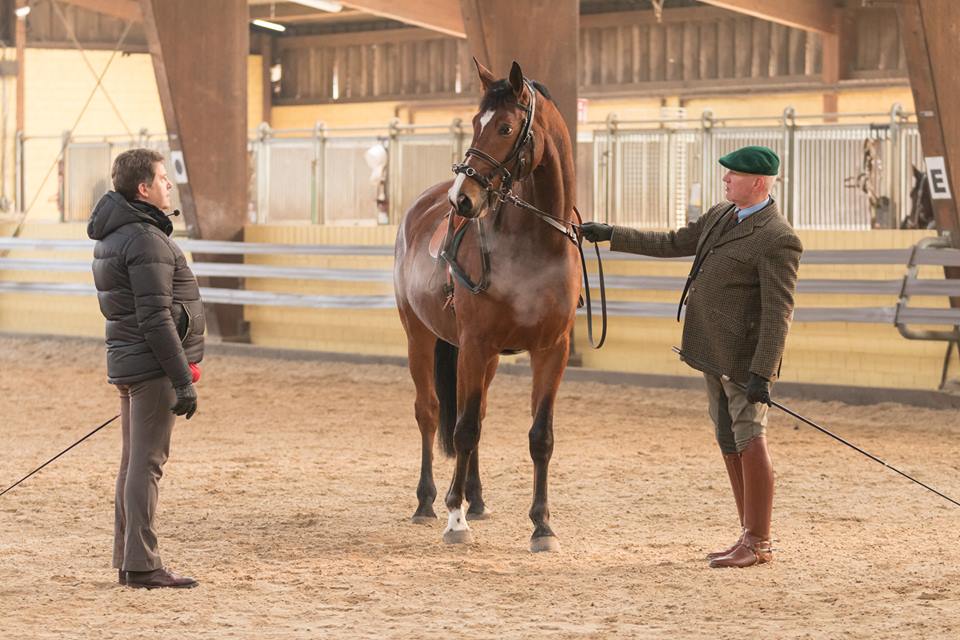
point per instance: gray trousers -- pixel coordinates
(737, 421)
(147, 426)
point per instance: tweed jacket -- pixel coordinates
(740, 301)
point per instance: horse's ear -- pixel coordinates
(516, 79)
(486, 76)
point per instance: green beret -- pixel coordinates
(754, 159)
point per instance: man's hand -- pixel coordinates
(758, 389)
(186, 401)
(596, 231)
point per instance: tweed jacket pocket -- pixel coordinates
(728, 323)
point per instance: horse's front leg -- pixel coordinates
(548, 366)
(472, 369)
(478, 509)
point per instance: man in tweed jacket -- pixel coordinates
(739, 305)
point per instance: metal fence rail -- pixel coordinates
(656, 173)
(885, 315)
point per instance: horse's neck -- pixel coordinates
(555, 183)
(552, 189)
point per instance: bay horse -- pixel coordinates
(506, 280)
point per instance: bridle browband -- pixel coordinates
(505, 194)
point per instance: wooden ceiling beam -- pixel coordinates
(437, 15)
(123, 9)
(289, 13)
(809, 15)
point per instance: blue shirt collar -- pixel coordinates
(743, 213)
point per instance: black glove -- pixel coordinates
(758, 389)
(596, 231)
(186, 401)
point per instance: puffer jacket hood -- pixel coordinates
(113, 211)
(147, 293)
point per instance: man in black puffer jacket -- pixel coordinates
(154, 336)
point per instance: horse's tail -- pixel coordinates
(445, 380)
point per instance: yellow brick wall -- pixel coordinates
(868, 100)
(58, 84)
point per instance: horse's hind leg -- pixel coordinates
(420, 346)
(478, 509)
(548, 366)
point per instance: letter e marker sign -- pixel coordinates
(937, 177)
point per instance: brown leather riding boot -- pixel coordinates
(735, 471)
(754, 548)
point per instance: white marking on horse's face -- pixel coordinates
(485, 119)
(457, 521)
(454, 190)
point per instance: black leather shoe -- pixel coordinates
(159, 579)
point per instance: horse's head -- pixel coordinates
(503, 148)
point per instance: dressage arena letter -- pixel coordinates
(937, 176)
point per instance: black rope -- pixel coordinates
(59, 454)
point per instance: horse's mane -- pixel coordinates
(501, 91)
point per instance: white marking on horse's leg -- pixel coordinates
(485, 119)
(457, 521)
(454, 190)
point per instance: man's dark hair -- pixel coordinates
(133, 168)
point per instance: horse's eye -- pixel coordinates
(505, 129)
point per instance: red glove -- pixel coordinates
(195, 371)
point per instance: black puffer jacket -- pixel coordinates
(147, 293)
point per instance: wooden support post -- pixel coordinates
(199, 52)
(928, 29)
(499, 32)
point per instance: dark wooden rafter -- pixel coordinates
(437, 15)
(123, 9)
(809, 15)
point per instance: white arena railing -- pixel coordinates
(900, 314)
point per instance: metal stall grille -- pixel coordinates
(826, 163)
(909, 157)
(418, 162)
(642, 172)
(86, 178)
(287, 184)
(347, 194)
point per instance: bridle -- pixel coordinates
(516, 156)
(504, 194)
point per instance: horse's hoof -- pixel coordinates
(486, 514)
(419, 518)
(461, 536)
(544, 543)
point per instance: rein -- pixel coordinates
(505, 194)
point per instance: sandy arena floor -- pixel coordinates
(288, 496)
